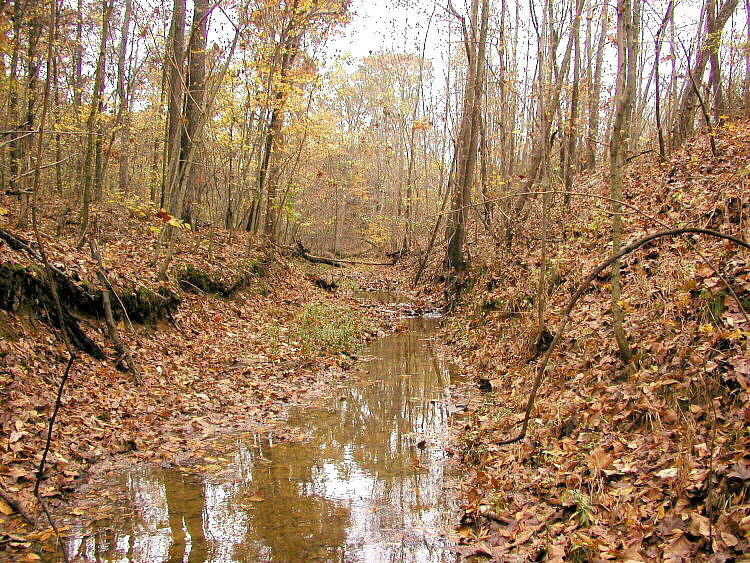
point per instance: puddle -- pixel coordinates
(366, 486)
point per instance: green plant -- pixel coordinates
(274, 336)
(323, 328)
(584, 510)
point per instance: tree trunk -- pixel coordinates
(194, 107)
(466, 147)
(89, 171)
(595, 98)
(570, 152)
(25, 146)
(78, 60)
(657, 80)
(124, 100)
(625, 86)
(685, 115)
(175, 75)
(13, 117)
(268, 175)
(714, 71)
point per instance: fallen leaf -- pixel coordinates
(5, 508)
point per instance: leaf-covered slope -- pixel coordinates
(646, 463)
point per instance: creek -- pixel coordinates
(366, 484)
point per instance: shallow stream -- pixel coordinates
(366, 485)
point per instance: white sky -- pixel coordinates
(388, 25)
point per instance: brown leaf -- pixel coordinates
(598, 460)
(680, 548)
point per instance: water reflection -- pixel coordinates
(367, 486)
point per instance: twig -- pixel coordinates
(30, 172)
(577, 295)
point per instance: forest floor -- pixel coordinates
(649, 462)
(210, 366)
(643, 463)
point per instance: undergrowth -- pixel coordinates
(332, 329)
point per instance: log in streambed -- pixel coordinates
(366, 483)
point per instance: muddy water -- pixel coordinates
(367, 484)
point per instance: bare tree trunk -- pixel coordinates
(570, 152)
(594, 100)
(25, 146)
(685, 115)
(58, 144)
(714, 71)
(89, 171)
(175, 77)
(746, 85)
(77, 78)
(466, 148)
(124, 100)
(13, 117)
(657, 79)
(625, 87)
(268, 175)
(195, 109)
(157, 172)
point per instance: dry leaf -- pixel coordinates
(5, 508)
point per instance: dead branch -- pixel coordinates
(30, 172)
(125, 356)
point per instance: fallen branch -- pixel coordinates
(302, 252)
(48, 441)
(125, 356)
(579, 293)
(17, 192)
(634, 156)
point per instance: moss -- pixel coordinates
(22, 287)
(27, 288)
(146, 306)
(714, 306)
(193, 280)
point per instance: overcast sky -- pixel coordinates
(388, 25)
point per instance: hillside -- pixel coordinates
(649, 462)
